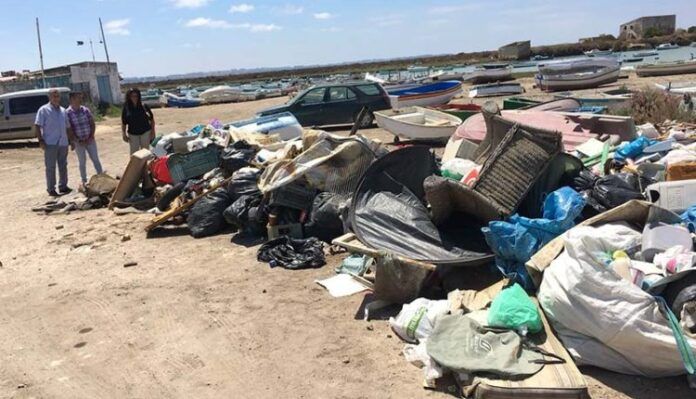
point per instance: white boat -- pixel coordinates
(598, 53)
(667, 68)
(577, 74)
(495, 89)
(488, 75)
(678, 88)
(667, 46)
(648, 53)
(417, 123)
(437, 93)
(374, 78)
(220, 94)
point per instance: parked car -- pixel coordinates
(18, 111)
(335, 104)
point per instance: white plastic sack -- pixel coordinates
(418, 356)
(602, 319)
(648, 130)
(416, 320)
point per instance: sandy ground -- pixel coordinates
(194, 318)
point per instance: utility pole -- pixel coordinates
(106, 50)
(38, 35)
(91, 47)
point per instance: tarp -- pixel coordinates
(333, 164)
(388, 212)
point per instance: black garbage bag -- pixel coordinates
(206, 216)
(232, 159)
(244, 182)
(607, 192)
(247, 214)
(292, 253)
(325, 218)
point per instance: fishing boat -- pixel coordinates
(220, 94)
(667, 46)
(518, 102)
(651, 53)
(678, 88)
(489, 75)
(495, 89)
(633, 59)
(576, 128)
(598, 53)
(667, 68)
(461, 111)
(577, 74)
(175, 101)
(417, 123)
(424, 95)
(151, 98)
(541, 57)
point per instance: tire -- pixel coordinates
(170, 196)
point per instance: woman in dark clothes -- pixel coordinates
(137, 122)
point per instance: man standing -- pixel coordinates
(82, 125)
(50, 128)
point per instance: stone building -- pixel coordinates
(515, 51)
(658, 25)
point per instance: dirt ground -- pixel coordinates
(195, 317)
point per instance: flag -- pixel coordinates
(80, 43)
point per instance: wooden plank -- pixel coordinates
(351, 243)
(161, 219)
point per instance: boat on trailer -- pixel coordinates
(417, 123)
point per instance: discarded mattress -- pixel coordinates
(388, 212)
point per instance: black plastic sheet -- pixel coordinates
(388, 212)
(292, 253)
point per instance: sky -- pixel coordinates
(161, 37)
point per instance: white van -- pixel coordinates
(18, 111)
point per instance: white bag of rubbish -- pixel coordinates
(418, 356)
(416, 320)
(648, 130)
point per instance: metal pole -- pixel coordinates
(38, 35)
(92, 48)
(106, 50)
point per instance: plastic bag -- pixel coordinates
(418, 356)
(512, 308)
(457, 168)
(244, 182)
(633, 148)
(206, 216)
(233, 159)
(159, 170)
(610, 191)
(416, 320)
(243, 214)
(325, 219)
(516, 240)
(292, 253)
(689, 217)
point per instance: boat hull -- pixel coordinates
(492, 90)
(577, 82)
(667, 69)
(418, 123)
(421, 96)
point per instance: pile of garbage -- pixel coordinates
(603, 236)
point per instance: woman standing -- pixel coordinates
(137, 122)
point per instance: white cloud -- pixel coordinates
(387, 20)
(289, 9)
(201, 22)
(241, 8)
(332, 29)
(190, 3)
(117, 27)
(455, 9)
(257, 27)
(55, 30)
(323, 15)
